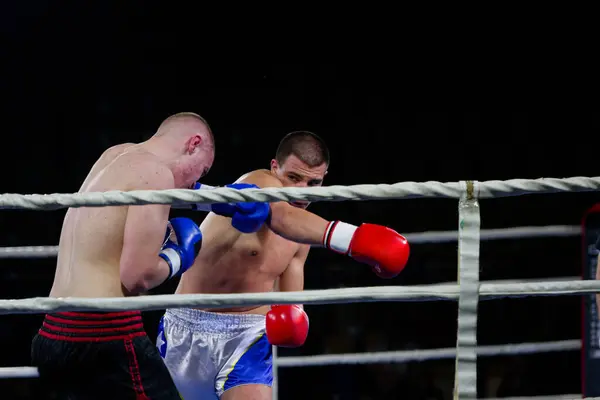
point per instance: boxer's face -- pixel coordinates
(295, 173)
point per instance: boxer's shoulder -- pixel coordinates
(142, 170)
(114, 151)
(261, 178)
(106, 163)
(128, 156)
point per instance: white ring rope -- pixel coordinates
(429, 354)
(413, 238)
(379, 357)
(520, 232)
(489, 189)
(19, 372)
(328, 296)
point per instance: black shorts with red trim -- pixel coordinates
(100, 356)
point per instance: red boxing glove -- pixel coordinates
(384, 249)
(287, 325)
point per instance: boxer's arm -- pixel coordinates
(141, 268)
(292, 223)
(287, 325)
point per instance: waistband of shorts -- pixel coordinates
(206, 321)
(92, 327)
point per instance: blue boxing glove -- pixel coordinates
(229, 209)
(246, 217)
(180, 256)
(250, 217)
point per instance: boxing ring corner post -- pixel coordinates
(469, 224)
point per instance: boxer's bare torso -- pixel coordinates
(232, 262)
(91, 240)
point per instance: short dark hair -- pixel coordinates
(307, 146)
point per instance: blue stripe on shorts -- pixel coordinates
(255, 366)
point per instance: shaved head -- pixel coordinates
(186, 123)
(186, 141)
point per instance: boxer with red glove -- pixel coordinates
(287, 325)
(270, 255)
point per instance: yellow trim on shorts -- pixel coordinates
(236, 361)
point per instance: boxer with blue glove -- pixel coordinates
(120, 252)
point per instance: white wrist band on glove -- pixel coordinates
(338, 236)
(173, 260)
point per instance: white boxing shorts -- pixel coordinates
(208, 353)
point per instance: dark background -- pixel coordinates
(76, 80)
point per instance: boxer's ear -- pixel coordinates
(193, 144)
(274, 165)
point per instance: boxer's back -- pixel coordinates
(92, 237)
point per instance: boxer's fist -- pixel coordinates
(384, 249)
(180, 254)
(246, 217)
(287, 325)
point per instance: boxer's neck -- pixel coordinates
(169, 152)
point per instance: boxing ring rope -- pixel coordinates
(413, 238)
(401, 190)
(381, 356)
(425, 355)
(467, 292)
(436, 292)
